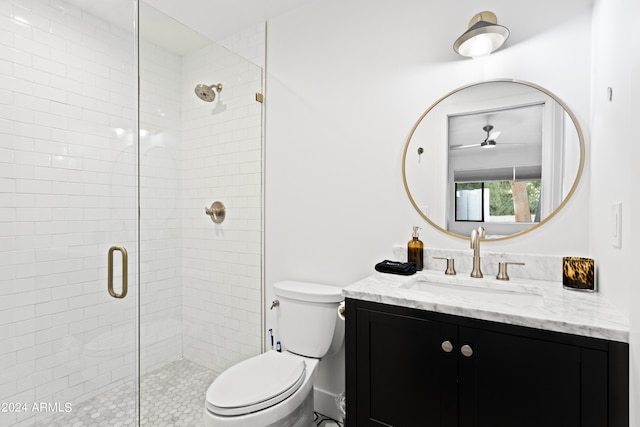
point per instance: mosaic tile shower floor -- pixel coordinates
(170, 397)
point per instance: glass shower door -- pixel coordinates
(200, 280)
(68, 213)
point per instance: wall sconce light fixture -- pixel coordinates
(482, 37)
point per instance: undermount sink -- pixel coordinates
(486, 290)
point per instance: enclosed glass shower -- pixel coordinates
(119, 295)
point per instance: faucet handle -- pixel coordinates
(451, 269)
(502, 269)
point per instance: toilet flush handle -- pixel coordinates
(275, 303)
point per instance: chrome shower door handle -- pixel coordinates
(125, 272)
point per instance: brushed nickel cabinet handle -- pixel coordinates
(466, 350)
(125, 272)
(447, 347)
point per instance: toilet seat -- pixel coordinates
(255, 384)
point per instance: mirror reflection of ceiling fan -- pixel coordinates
(489, 141)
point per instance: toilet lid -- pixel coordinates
(255, 384)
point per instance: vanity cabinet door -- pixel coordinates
(399, 373)
(406, 376)
(508, 380)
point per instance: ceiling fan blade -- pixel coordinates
(462, 147)
(495, 135)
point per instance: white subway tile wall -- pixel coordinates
(200, 282)
(221, 160)
(248, 43)
(160, 234)
(68, 191)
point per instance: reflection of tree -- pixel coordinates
(520, 201)
(500, 200)
(518, 198)
(533, 190)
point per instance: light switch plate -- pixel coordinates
(616, 223)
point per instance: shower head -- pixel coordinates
(206, 92)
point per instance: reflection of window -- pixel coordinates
(498, 201)
(470, 201)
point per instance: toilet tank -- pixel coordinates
(307, 317)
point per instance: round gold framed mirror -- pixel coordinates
(504, 154)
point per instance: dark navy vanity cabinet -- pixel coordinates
(409, 367)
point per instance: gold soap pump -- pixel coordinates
(415, 249)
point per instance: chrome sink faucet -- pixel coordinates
(476, 237)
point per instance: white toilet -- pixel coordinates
(273, 388)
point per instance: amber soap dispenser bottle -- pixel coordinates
(415, 249)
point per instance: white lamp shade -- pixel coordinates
(481, 39)
(481, 45)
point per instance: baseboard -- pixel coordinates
(325, 404)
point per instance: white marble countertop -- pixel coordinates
(524, 302)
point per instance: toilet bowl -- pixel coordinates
(272, 389)
(276, 388)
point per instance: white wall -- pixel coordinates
(346, 83)
(614, 158)
(343, 96)
(634, 291)
(68, 192)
